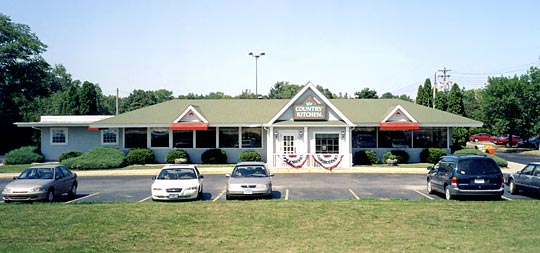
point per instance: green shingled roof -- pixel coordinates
(242, 112)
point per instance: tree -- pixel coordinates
(24, 76)
(388, 95)
(366, 93)
(455, 101)
(89, 99)
(247, 94)
(284, 90)
(326, 92)
(440, 100)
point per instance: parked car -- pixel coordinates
(503, 140)
(480, 137)
(526, 180)
(177, 182)
(465, 175)
(249, 179)
(530, 143)
(43, 182)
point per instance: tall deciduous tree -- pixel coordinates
(283, 90)
(366, 93)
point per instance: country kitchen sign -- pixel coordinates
(310, 109)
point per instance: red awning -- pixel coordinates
(389, 126)
(189, 126)
(93, 129)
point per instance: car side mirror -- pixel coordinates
(430, 168)
(227, 175)
(201, 176)
(271, 175)
(14, 177)
(154, 178)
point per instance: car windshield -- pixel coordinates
(478, 166)
(249, 171)
(177, 174)
(37, 173)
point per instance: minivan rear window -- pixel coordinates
(478, 167)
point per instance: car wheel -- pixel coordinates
(50, 196)
(227, 197)
(447, 193)
(73, 191)
(7, 201)
(512, 186)
(429, 187)
(200, 194)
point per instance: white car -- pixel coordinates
(177, 182)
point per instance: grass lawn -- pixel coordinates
(369, 225)
(20, 167)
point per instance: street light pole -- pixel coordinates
(256, 77)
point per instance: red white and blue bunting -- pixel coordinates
(328, 161)
(295, 161)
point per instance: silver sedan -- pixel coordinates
(249, 179)
(43, 182)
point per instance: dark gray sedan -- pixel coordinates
(43, 182)
(527, 180)
(249, 179)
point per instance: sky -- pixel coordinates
(202, 46)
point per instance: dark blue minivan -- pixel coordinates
(458, 175)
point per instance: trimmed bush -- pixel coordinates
(140, 156)
(431, 155)
(70, 154)
(96, 159)
(250, 155)
(24, 155)
(177, 154)
(401, 155)
(365, 157)
(214, 156)
(470, 151)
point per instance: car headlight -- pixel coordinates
(262, 186)
(37, 189)
(7, 190)
(192, 188)
(157, 189)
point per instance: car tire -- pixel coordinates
(447, 193)
(429, 187)
(7, 201)
(200, 194)
(227, 197)
(50, 196)
(73, 191)
(512, 187)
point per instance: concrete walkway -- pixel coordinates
(512, 167)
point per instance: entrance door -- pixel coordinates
(288, 143)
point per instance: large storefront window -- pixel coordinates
(159, 138)
(364, 138)
(228, 137)
(135, 137)
(251, 137)
(395, 139)
(206, 139)
(430, 138)
(327, 143)
(183, 139)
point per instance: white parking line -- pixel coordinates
(219, 196)
(423, 194)
(87, 196)
(145, 199)
(507, 198)
(286, 194)
(354, 194)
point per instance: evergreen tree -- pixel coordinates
(455, 101)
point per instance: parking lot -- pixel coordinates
(286, 187)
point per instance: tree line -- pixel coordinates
(31, 87)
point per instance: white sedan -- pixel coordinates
(177, 182)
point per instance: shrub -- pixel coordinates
(365, 157)
(24, 155)
(140, 156)
(70, 154)
(431, 155)
(401, 155)
(177, 154)
(251, 155)
(214, 156)
(97, 158)
(470, 151)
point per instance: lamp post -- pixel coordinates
(256, 58)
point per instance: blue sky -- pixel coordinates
(345, 46)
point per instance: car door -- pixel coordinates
(524, 178)
(440, 173)
(59, 181)
(535, 179)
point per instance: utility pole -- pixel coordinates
(117, 101)
(444, 76)
(434, 88)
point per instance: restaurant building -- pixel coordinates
(307, 131)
